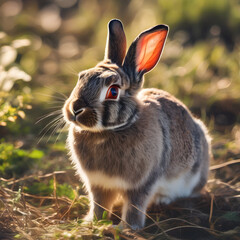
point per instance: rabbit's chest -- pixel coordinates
(118, 160)
(102, 154)
(106, 165)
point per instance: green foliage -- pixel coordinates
(198, 17)
(65, 190)
(18, 196)
(14, 99)
(232, 216)
(104, 216)
(14, 162)
(47, 189)
(12, 107)
(40, 188)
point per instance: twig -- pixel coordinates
(75, 197)
(131, 237)
(211, 208)
(125, 237)
(234, 179)
(191, 224)
(224, 164)
(13, 181)
(155, 223)
(235, 196)
(40, 197)
(26, 235)
(112, 213)
(217, 181)
(55, 190)
(1, 214)
(180, 227)
(41, 202)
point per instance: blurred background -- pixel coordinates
(44, 44)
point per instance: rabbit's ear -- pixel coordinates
(116, 42)
(144, 53)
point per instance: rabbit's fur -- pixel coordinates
(145, 144)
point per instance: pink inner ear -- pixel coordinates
(149, 48)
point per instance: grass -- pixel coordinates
(56, 206)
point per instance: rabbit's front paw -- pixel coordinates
(88, 217)
(123, 225)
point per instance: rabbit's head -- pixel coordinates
(105, 96)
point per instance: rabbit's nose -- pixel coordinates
(77, 108)
(77, 113)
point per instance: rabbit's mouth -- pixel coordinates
(84, 117)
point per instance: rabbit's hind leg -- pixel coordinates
(134, 208)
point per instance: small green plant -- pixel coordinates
(14, 162)
(12, 107)
(47, 189)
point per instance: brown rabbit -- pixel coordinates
(142, 144)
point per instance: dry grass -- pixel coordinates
(214, 215)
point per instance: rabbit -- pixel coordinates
(141, 144)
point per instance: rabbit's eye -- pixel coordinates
(112, 92)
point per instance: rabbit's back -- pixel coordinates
(186, 146)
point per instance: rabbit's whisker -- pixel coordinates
(49, 126)
(52, 96)
(55, 107)
(52, 122)
(49, 115)
(56, 126)
(72, 70)
(62, 126)
(54, 90)
(55, 102)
